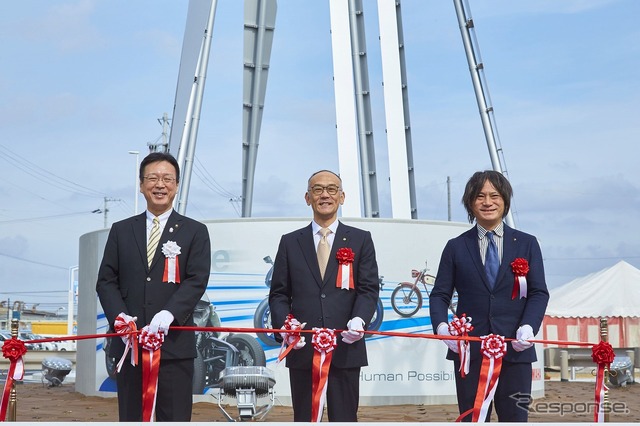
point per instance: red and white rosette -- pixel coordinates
(603, 355)
(493, 348)
(345, 258)
(461, 326)
(324, 342)
(151, 344)
(123, 327)
(292, 329)
(171, 250)
(12, 349)
(520, 268)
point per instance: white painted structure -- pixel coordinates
(400, 371)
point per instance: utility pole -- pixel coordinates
(106, 209)
(449, 198)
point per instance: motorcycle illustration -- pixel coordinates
(262, 316)
(406, 298)
(215, 350)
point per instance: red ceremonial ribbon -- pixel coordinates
(171, 270)
(603, 355)
(12, 349)
(151, 344)
(345, 257)
(123, 327)
(461, 326)
(493, 348)
(520, 268)
(324, 342)
(292, 327)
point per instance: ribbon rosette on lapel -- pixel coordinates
(461, 326)
(345, 258)
(171, 250)
(603, 355)
(520, 268)
(493, 348)
(12, 349)
(324, 342)
(151, 344)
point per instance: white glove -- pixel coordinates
(523, 334)
(161, 322)
(289, 337)
(121, 321)
(443, 330)
(355, 330)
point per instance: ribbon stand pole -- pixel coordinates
(13, 398)
(604, 336)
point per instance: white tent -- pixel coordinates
(575, 308)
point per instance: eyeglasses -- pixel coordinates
(319, 189)
(154, 179)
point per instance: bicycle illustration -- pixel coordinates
(406, 298)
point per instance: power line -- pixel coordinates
(34, 262)
(45, 175)
(57, 216)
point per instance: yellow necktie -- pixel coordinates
(323, 250)
(154, 238)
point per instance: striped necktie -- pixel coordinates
(491, 261)
(154, 238)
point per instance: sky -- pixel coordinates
(83, 82)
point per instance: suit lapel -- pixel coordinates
(473, 246)
(139, 228)
(308, 249)
(341, 240)
(508, 253)
(171, 229)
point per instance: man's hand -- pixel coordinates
(288, 334)
(443, 330)
(121, 326)
(523, 334)
(354, 332)
(161, 322)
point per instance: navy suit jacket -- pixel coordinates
(491, 310)
(297, 288)
(127, 284)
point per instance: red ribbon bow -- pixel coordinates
(324, 341)
(461, 326)
(520, 268)
(12, 349)
(493, 348)
(151, 344)
(345, 257)
(603, 355)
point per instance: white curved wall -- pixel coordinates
(400, 371)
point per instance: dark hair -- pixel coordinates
(156, 157)
(475, 184)
(323, 171)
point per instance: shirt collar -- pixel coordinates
(162, 218)
(315, 227)
(499, 230)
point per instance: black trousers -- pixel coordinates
(512, 397)
(343, 394)
(174, 399)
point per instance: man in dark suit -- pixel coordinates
(298, 287)
(489, 302)
(136, 286)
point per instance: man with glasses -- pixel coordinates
(155, 268)
(305, 285)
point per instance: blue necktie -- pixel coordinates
(491, 261)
